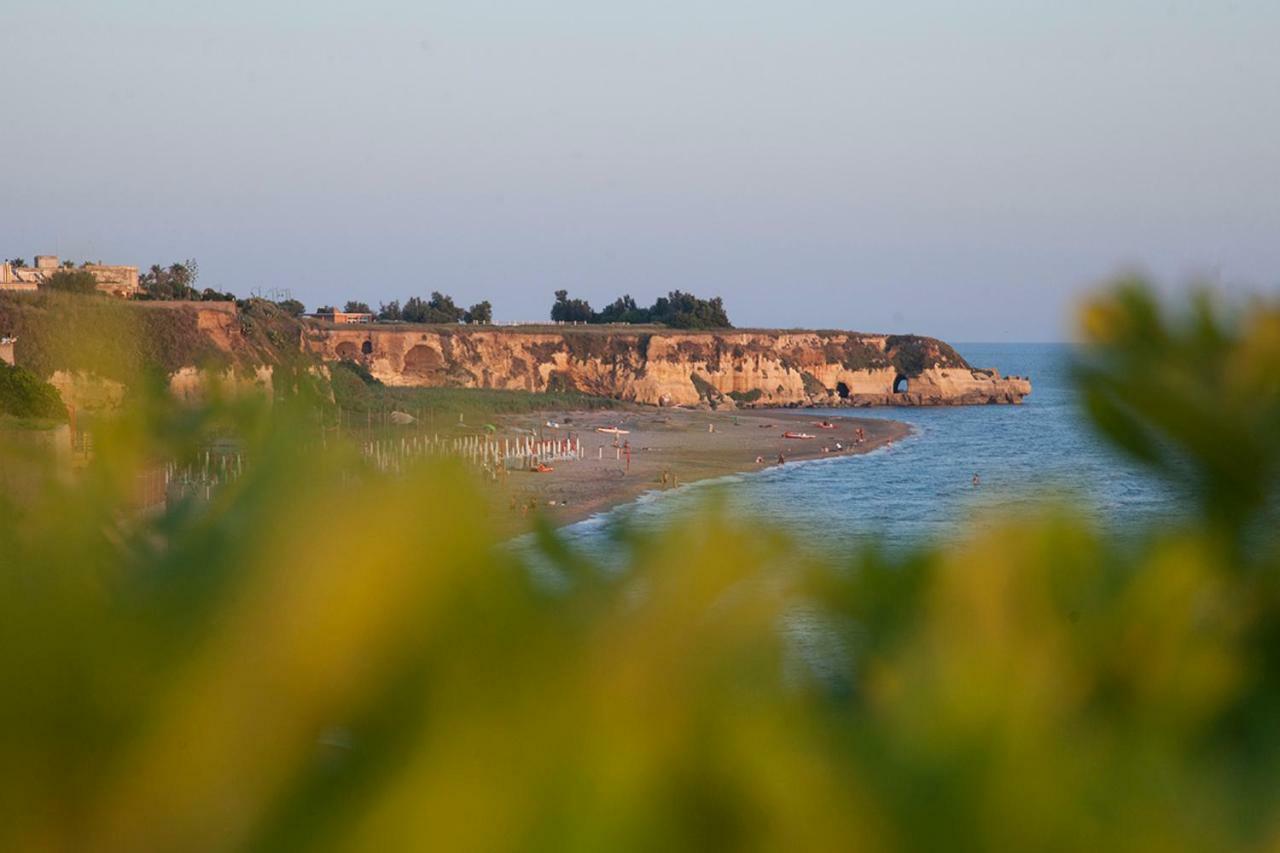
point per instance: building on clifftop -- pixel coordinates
(115, 280)
(342, 318)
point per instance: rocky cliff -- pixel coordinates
(668, 367)
(93, 349)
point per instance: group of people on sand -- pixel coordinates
(531, 505)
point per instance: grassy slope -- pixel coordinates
(357, 394)
(124, 340)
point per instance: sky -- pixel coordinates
(965, 170)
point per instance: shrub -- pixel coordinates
(812, 386)
(25, 395)
(703, 387)
(328, 657)
(71, 281)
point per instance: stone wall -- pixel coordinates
(116, 280)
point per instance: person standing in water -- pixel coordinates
(976, 479)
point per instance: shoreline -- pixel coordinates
(670, 448)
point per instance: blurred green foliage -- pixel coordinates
(324, 658)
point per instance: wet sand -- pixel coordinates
(669, 448)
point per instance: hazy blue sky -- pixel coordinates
(958, 169)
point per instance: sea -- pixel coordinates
(920, 491)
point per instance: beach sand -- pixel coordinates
(680, 445)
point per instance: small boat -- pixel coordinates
(613, 431)
(797, 435)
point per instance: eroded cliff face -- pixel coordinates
(94, 350)
(746, 368)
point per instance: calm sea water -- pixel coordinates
(921, 489)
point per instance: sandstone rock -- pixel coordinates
(657, 366)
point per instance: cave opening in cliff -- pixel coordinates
(422, 360)
(346, 351)
(367, 347)
(843, 390)
(900, 384)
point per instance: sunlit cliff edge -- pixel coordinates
(660, 366)
(92, 349)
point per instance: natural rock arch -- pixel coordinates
(422, 360)
(900, 384)
(843, 390)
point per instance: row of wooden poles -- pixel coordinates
(200, 479)
(525, 452)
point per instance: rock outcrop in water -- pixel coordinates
(670, 367)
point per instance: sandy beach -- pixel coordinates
(669, 448)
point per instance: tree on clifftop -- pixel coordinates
(623, 310)
(677, 309)
(175, 282)
(566, 310)
(353, 307)
(481, 313)
(439, 309)
(686, 311)
(390, 312)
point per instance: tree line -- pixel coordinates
(677, 309)
(177, 282)
(438, 309)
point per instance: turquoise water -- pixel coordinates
(921, 489)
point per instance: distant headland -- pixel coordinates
(664, 367)
(681, 351)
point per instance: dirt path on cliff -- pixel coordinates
(669, 448)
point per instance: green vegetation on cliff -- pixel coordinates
(124, 340)
(677, 310)
(913, 354)
(25, 395)
(357, 393)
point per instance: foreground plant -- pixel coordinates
(325, 658)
